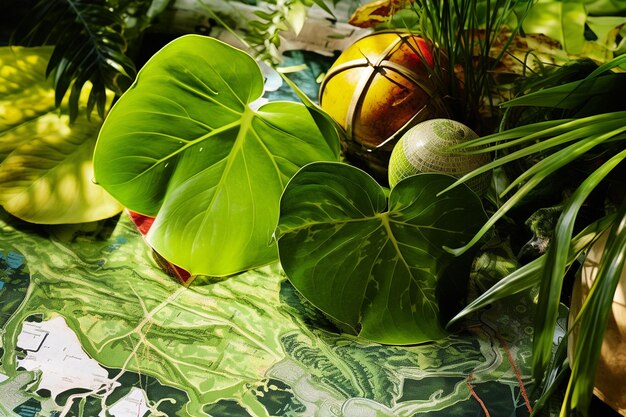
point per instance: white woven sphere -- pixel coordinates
(424, 149)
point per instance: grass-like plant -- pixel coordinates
(466, 32)
(560, 143)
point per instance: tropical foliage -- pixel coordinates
(263, 34)
(561, 142)
(48, 132)
(564, 120)
(374, 263)
(186, 144)
(90, 47)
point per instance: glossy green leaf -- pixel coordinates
(606, 28)
(46, 173)
(330, 127)
(605, 7)
(184, 144)
(370, 262)
(563, 21)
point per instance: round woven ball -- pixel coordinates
(378, 88)
(424, 148)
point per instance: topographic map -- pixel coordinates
(92, 327)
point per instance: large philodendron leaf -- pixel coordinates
(370, 262)
(183, 144)
(46, 173)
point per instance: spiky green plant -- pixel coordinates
(561, 143)
(466, 31)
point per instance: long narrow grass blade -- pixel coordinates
(502, 210)
(570, 95)
(557, 262)
(535, 131)
(529, 275)
(521, 153)
(593, 136)
(574, 129)
(528, 132)
(547, 166)
(518, 281)
(539, 172)
(593, 319)
(561, 372)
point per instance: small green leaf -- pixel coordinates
(322, 4)
(296, 16)
(373, 264)
(183, 144)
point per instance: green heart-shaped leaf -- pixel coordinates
(370, 263)
(46, 172)
(183, 144)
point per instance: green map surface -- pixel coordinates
(91, 326)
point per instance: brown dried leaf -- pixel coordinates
(373, 13)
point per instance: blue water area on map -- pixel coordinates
(13, 260)
(30, 408)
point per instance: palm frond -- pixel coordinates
(89, 47)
